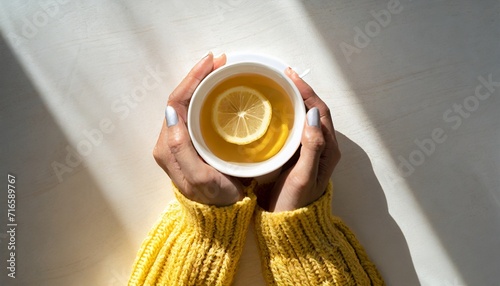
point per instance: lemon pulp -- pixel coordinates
(241, 115)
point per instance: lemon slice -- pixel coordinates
(241, 115)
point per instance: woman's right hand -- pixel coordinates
(306, 181)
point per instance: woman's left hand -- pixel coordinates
(175, 153)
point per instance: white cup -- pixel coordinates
(244, 64)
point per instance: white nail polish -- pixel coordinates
(304, 73)
(171, 116)
(313, 117)
(206, 54)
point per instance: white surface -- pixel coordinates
(70, 69)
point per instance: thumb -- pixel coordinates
(180, 145)
(205, 183)
(313, 143)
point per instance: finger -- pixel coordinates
(164, 157)
(180, 146)
(195, 179)
(311, 99)
(180, 97)
(220, 61)
(299, 185)
(313, 144)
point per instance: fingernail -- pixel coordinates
(313, 117)
(292, 72)
(304, 73)
(218, 56)
(296, 69)
(206, 55)
(171, 116)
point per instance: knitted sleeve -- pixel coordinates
(194, 244)
(309, 246)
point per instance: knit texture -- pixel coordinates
(309, 246)
(194, 244)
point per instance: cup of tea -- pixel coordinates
(246, 118)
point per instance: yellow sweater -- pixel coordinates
(196, 244)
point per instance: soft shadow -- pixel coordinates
(66, 231)
(359, 200)
(405, 76)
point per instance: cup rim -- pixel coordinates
(245, 170)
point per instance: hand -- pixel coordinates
(306, 180)
(175, 153)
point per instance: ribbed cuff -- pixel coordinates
(194, 244)
(212, 239)
(221, 223)
(309, 246)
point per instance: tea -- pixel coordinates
(274, 138)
